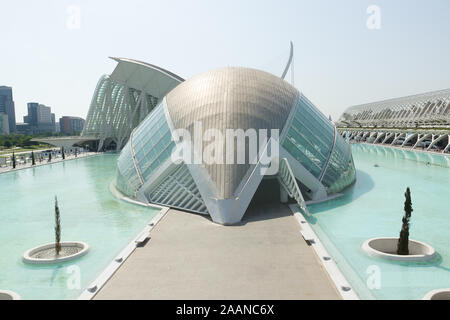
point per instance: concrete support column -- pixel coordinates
(447, 148)
(397, 137)
(388, 136)
(436, 138)
(421, 138)
(379, 136)
(408, 138)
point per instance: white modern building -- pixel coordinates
(313, 162)
(418, 121)
(124, 98)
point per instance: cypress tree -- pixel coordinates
(33, 160)
(50, 157)
(402, 247)
(57, 229)
(62, 153)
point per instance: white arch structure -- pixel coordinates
(427, 109)
(124, 98)
(418, 121)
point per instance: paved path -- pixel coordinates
(20, 166)
(189, 257)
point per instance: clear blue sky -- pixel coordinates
(338, 61)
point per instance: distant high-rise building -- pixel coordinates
(7, 106)
(4, 125)
(40, 118)
(31, 118)
(71, 124)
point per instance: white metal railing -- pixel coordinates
(288, 182)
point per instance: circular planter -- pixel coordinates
(9, 295)
(386, 248)
(45, 254)
(438, 294)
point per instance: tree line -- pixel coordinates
(23, 140)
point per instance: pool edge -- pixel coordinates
(54, 162)
(95, 286)
(336, 276)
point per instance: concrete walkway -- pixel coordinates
(19, 166)
(189, 257)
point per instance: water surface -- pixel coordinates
(89, 213)
(373, 207)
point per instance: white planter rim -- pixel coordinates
(438, 294)
(385, 246)
(28, 255)
(13, 295)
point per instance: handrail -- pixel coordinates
(298, 196)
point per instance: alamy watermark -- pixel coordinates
(373, 281)
(74, 279)
(73, 17)
(374, 20)
(236, 146)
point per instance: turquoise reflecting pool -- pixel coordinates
(373, 207)
(89, 213)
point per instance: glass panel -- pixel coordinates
(310, 137)
(309, 140)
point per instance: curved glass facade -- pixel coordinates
(312, 141)
(340, 172)
(127, 178)
(149, 146)
(152, 142)
(310, 137)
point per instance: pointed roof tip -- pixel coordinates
(152, 66)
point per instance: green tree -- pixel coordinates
(62, 153)
(57, 228)
(49, 157)
(14, 160)
(402, 247)
(33, 160)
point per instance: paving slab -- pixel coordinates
(190, 257)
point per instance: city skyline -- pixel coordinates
(256, 150)
(38, 119)
(61, 47)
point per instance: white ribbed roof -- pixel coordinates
(145, 77)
